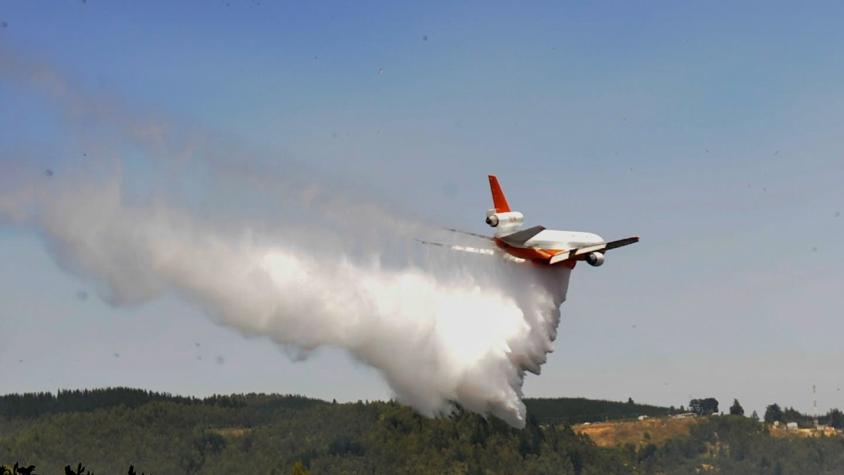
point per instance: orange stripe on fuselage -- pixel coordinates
(533, 254)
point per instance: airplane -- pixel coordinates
(537, 244)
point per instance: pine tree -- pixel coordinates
(835, 418)
(773, 413)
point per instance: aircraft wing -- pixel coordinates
(579, 252)
(622, 242)
(520, 237)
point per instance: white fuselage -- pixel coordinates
(560, 240)
(540, 245)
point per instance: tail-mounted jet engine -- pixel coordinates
(510, 218)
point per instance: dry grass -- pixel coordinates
(231, 432)
(658, 430)
(782, 431)
(639, 433)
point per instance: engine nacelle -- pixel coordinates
(595, 259)
(503, 220)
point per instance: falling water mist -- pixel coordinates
(270, 250)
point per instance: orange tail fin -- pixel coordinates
(498, 199)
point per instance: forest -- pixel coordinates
(108, 430)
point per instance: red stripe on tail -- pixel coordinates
(498, 199)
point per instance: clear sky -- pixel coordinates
(711, 129)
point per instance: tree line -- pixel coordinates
(275, 434)
(773, 413)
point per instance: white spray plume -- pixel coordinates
(454, 331)
(322, 268)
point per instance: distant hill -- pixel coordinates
(31, 405)
(109, 429)
(545, 410)
(577, 410)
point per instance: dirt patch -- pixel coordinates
(232, 432)
(656, 431)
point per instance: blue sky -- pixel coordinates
(710, 129)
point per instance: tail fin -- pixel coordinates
(498, 199)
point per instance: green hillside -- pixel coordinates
(577, 410)
(107, 430)
(545, 410)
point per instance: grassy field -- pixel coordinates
(655, 430)
(658, 430)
